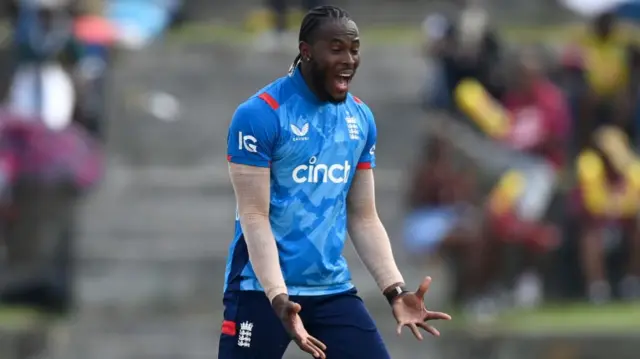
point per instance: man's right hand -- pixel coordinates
(288, 311)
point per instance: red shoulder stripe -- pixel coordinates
(357, 100)
(269, 100)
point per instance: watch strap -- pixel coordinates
(394, 292)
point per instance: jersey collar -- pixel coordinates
(302, 86)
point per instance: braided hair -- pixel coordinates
(312, 21)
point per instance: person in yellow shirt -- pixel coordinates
(606, 49)
(608, 194)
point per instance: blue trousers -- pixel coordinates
(252, 330)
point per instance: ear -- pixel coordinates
(305, 50)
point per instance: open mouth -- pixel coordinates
(341, 82)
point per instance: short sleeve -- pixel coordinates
(368, 157)
(252, 134)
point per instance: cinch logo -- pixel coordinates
(315, 173)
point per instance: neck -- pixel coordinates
(307, 75)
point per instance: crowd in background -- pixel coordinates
(53, 91)
(562, 127)
(556, 192)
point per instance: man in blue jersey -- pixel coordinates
(301, 153)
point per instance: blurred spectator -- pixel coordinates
(466, 48)
(608, 206)
(61, 62)
(48, 158)
(539, 112)
(442, 220)
(608, 94)
(45, 54)
(537, 131)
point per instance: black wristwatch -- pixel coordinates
(394, 292)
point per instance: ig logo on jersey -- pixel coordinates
(247, 142)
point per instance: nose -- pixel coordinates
(348, 58)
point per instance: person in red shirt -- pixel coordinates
(537, 129)
(539, 114)
(527, 133)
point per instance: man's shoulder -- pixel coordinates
(266, 100)
(272, 96)
(364, 110)
(257, 111)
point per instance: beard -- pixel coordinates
(319, 81)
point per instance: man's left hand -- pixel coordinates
(409, 310)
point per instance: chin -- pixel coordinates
(338, 98)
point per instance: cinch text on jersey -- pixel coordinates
(314, 173)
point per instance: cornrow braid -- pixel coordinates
(312, 21)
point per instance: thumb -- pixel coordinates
(424, 287)
(294, 307)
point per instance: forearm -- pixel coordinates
(263, 253)
(372, 244)
(368, 234)
(251, 185)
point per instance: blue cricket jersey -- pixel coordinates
(313, 149)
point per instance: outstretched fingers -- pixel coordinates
(429, 329)
(437, 316)
(415, 329)
(312, 346)
(424, 287)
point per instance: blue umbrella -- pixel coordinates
(141, 21)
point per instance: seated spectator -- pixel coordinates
(70, 55)
(608, 201)
(532, 127)
(441, 219)
(466, 48)
(606, 56)
(538, 111)
(48, 157)
(42, 174)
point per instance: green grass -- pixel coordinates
(567, 319)
(17, 318)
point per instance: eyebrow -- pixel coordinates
(342, 41)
